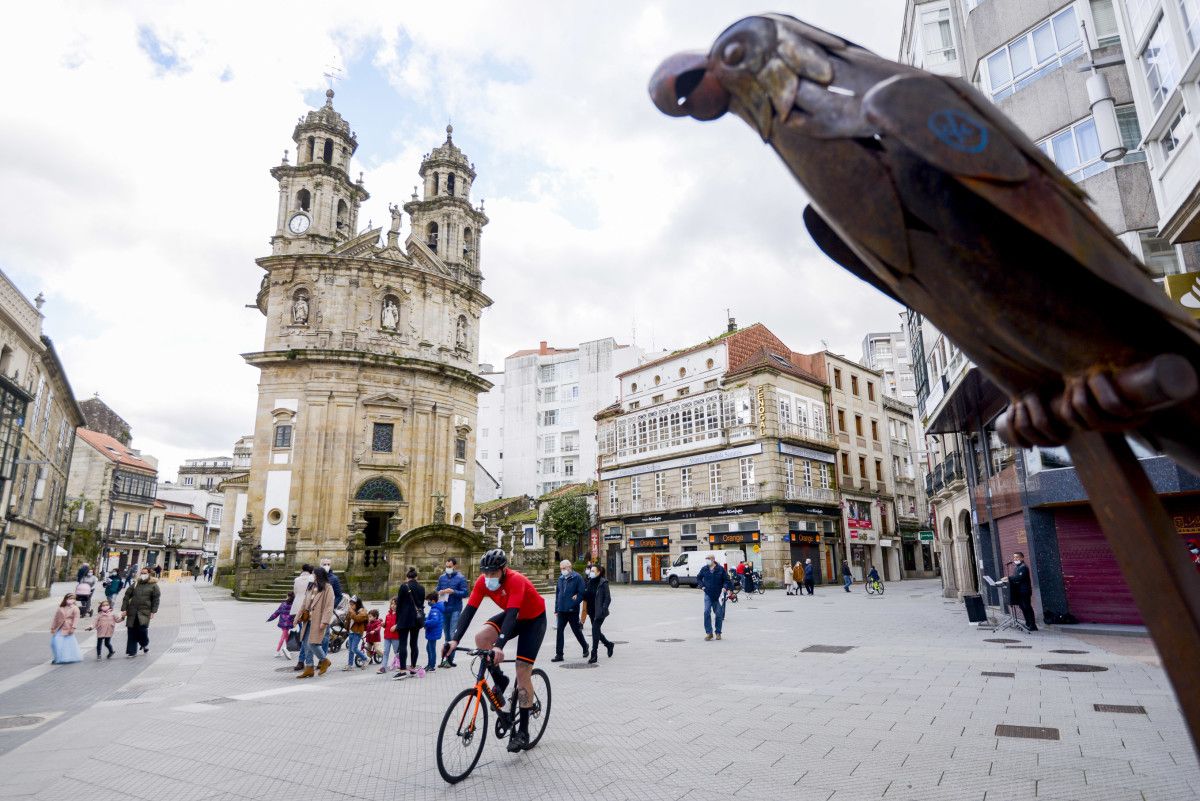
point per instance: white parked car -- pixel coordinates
(684, 569)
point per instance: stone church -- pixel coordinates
(364, 436)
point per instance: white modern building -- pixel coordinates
(888, 352)
(536, 426)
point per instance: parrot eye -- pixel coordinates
(733, 54)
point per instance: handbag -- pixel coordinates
(419, 610)
(293, 640)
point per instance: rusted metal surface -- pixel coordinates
(922, 188)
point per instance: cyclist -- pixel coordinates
(524, 617)
(873, 576)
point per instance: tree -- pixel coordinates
(570, 518)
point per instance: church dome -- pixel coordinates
(448, 155)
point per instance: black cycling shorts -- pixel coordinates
(529, 635)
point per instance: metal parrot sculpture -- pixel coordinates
(921, 187)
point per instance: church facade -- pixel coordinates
(364, 436)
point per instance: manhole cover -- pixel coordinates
(19, 721)
(669, 639)
(1129, 710)
(826, 649)
(1026, 732)
(580, 665)
(1026, 647)
(1001, 639)
(1067, 667)
(998, 674)
(1065, 651)
(785, 610)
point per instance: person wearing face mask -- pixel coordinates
(568, 594)
(451, 589)
(714, 579)
(599, 600)
(139, 607)
(1020, 588)
(63, 644)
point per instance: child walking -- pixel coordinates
(284, 615)
(63, 644)
(105, 625)
(391, 638)
(374, 633)
(356, 619)
(433, 630)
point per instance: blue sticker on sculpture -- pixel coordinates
(959, 131)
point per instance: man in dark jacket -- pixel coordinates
(1020, 588)
(451, 589)
(808, 576)
(568, 594)
(140, 606)
(714, 580)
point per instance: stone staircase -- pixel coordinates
(275, 592)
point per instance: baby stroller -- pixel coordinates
(338, 632)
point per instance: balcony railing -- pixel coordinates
(808, 434)
(127, 534)
(819, 494)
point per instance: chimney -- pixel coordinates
(542, 349)
(731, 326)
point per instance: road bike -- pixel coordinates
(465, 724)
(874, 587)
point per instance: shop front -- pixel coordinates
(807, 545)
(614, 563)
(748, 542)
(916, 555)
(650, 558)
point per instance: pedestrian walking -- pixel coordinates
(356, 620)
(374, 633)
(316, 612)
(391, 638)
(63, 645)
(139, 607)
(410, 619)
(809, 576)
(283, 614)
(714, 579)
(797, 576)
(847, 576)
(83, 595)
(434, 620)
(452, 589)
(112, 587)
(300, 587)
(334, 583)
(83, 571)
(105, 625)
(599, 604)
(567, 597)
(158, 571)
(1020, 589)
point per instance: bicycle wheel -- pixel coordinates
(870, 587)
(539, 716)
(879, 587)
(462, 735)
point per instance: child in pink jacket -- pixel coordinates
(105, 625)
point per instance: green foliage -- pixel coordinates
(86, 548)
(570, 518)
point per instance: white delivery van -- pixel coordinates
(684, 569)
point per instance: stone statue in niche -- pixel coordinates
(460, 333)
(300, 308)
(390, 319)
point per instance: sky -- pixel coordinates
(136, 140)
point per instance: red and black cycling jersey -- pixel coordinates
(516, 595)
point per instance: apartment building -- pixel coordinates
(888, 352)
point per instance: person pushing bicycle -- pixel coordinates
(524, 617)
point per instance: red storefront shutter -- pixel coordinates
(1096, 589)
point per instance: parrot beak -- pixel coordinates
(683, 86)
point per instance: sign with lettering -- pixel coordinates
(854, 522)
(1187, 524)
(762, 411)
(723, 537)
(925, 536)
(651, 542)
(612, 536)
(595, 542)
(805, 537)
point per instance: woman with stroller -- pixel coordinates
(83, 593)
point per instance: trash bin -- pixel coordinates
(976, 611)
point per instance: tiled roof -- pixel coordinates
(569, 491)
(528, 516)
(186, 516)
(113, 450)
(498, 503)
(539, 352)
(769, 359)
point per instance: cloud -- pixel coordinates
(137, 194)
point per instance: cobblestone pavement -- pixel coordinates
(909, 712)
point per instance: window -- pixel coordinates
(854, 385)
(937, 37)
(1131, 133)
(1159, 255)
(714, 481)
(1075, 151)
(660, 486)
(875, 430)
(550, 394)
(568, 467)
(708, 364)
(862, 467)
(841, 415)
(483, 455)
(858, 426)
(635, 488)
(746, 470)
(550, 417)
(1139, 15)
(837, 378)
(460, 448)
(1170, 139)
(570, 442)
(1104, 23)
(657, 399)
(685, 482)
(1159, 65)
(450, 184)
(188, 481)
(846, 466)
(1034, 54)
(613, 498)
(546, 373)
(824, 475)
(1190, 11)
(431, 236)
(711, 383)
(483, 433)
(682, 391)
(547, 466)
(789, 472)
(283, 436)
(303, 200)
(171, 531)
(381, 437)
(549, 444)
(879, 470)
(870, 390)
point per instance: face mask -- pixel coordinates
(144, 577)
(492, 584)
(449, 571)
(565, 571)
(711, 564)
